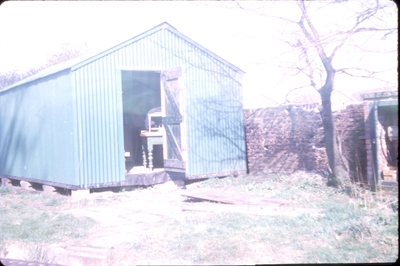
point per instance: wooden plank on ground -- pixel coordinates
(229, 197)
(251, 210)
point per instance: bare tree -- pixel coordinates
(67, 52)
(318, 47)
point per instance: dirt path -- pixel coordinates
(137, 213)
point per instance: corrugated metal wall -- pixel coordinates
(214, 117)
(99, 122)
(37, 134)
(75, 120)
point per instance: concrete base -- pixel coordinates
(49, 189)
(80, 194)
(6, 182)
(26, 185)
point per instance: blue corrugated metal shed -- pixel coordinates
(66, 126)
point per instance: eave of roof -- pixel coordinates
(76, 63)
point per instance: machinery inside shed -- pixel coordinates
(141, 95)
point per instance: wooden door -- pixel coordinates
(173, 119)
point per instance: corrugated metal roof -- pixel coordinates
(83, 60)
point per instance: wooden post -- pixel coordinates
(144, 156)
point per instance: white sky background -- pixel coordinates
(30, 32)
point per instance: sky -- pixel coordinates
(253, 39)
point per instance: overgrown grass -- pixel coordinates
(356, 227)
(32, 218)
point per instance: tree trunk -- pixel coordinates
(340, 174)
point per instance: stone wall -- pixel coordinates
(286, 139)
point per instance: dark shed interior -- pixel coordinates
(388, 119)
(141, 93)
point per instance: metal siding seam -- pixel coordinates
(141, 54)
(105, 94)
(101, 75)
(193, 112)
(120, 125)
(151, 56)
(82, 107)
(116, 175)
(88, 136)
(77, 122)
(135, 47)
(211, 137)
(148, 54)
(131, 56)
(189, 122)
(172, 54)
(86, 107)
(114, 144)
(107, 84)
(134, 57)
(104, 155)
(107, 130)
(87, 125)
(93, 124)
(100, 123)
(81, 115)
(165, 49)
(122, 59)
(94, 128)
(104, 61)
(120, 159)
(175, 53)
(203, 93)
(154, 55)
(161, 45)
(138, 53)
(198, 107)
(107, 172)
(230, 124)
(106, 75)
(155, 59)
(111, 74)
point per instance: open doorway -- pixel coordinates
(388, 141)
(141, 93)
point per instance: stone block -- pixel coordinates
(80, 194)
(26, 185)
(6, 182)
(48, 189)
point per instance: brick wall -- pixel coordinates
(285, 139)
(350, 126)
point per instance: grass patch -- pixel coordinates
(41, 227)
(352, 225)
(4, 190)
(356, 227)
(32, 218)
